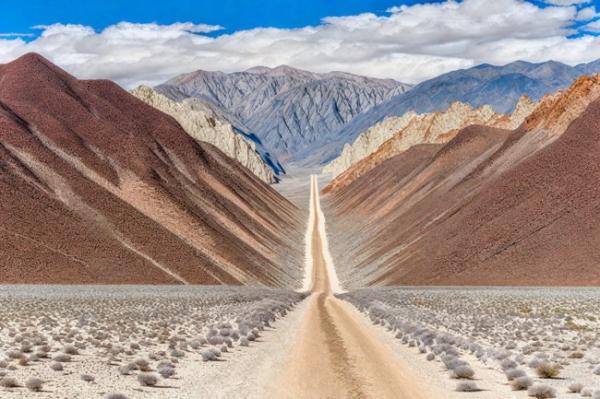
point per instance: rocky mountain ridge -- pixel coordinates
(395, 135)
(497, 86)
(490, 207)
(204, 124)
(291, 111)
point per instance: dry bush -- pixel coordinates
(541, 391)
(34, 384)
(547, 370)
(467, 386)
(147, 379)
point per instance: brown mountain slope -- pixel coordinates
(491, 207)
(98, 187)
(433, 128)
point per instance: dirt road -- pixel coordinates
(336, 353)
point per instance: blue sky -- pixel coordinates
(232, 14)
(134, 42)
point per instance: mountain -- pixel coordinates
(205, 124)
(98, 187)
(490, 207)
(395, 135)
(497, 86)
(291, 111)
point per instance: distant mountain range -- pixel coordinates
(290, 110)
(497, 86)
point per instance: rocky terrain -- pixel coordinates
(290, 110)
(397, 134)
(98, 187)
(490, 207)
(203, 124)
(497, 86)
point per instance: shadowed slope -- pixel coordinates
(491, 207)
(98, 187)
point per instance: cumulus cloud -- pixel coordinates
(567, 2)
(408, 43)
(587, 13)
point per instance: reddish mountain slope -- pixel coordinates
(491, 207)
(98, 187)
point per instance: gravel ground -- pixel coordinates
(492, 331)
(119, 335)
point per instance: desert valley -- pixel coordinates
(280, 232)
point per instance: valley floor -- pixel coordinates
(369, 343)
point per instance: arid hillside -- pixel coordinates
(98, 187)
(490, 207)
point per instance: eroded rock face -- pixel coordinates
(293, 112)
(203, 124)
(395, 135)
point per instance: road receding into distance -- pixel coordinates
(336, 353)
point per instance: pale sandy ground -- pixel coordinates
(242, 373)
(324, 348)
(490, 380)
(336, 354)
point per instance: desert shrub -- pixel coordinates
(177, 353)
(166, 372)
(56, 366)
(586, 392)
(14, 354)
(87, 378)
(521, 383)
(541, 391)
(576, 355)
(511, 374)
(463, 371)
(467, 386)
(147, 379)
(430, 356)
(208, 355)
(547, 370)
(507, 364)
(61, 357)
(142, 364)
(70, 350)
(115, 396)
(124, 369)
(34, 384)
(575, 387)
(9, 382)
(244, 341)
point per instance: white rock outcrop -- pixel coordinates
(200, 122)
(400, 133)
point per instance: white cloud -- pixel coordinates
(410, 43)
(567, 2)
(15, 34)
(593, 26)
(585, 14)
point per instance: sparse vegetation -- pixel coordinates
(467, 386)
(541, 391)
(34, 384)
(142, 334)
(147, 379)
